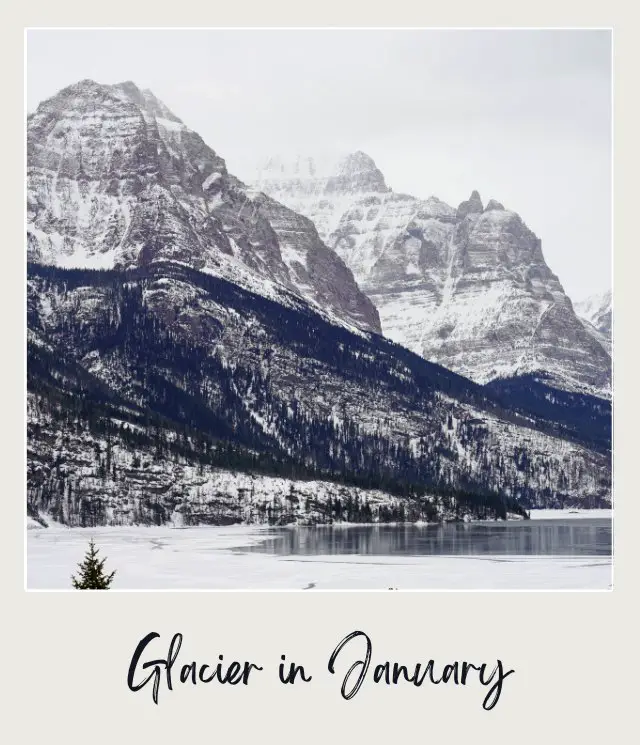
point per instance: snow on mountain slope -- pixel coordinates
(114, 179)
(468, 288)
(596, 311)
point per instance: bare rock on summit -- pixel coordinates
(471, 206)
(492, 204)
(356, 173)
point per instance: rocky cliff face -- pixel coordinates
(466, 287)
(115, 180)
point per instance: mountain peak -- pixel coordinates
(129, 86)
(493, 204)
(473, 205)
(86, 83)
(357, 172)
(321, 174)
(127, 91)
(596, 309)
(85, 86)
(160, 194)
(358, 159)
(145, 99)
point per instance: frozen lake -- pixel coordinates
(455, 557)
(546, 537)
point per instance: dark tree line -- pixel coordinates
(172, 398)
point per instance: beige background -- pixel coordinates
(65, 655)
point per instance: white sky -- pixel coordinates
(522, 116)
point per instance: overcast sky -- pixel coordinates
(524, 117)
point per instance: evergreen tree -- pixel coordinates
(92, 575)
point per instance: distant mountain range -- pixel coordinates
(197, 353)
(467, 287)
(596, 311)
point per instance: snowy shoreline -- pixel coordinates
(570, 514)
(539, 514)
(211, 558)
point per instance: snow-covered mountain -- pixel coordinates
(596, 311)
(221, 347)
(466, 287)
(115, 180)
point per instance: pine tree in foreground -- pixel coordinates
(91, 572)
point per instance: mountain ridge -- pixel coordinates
(467, 287)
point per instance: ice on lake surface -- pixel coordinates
(403, 557)
(569, 537)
